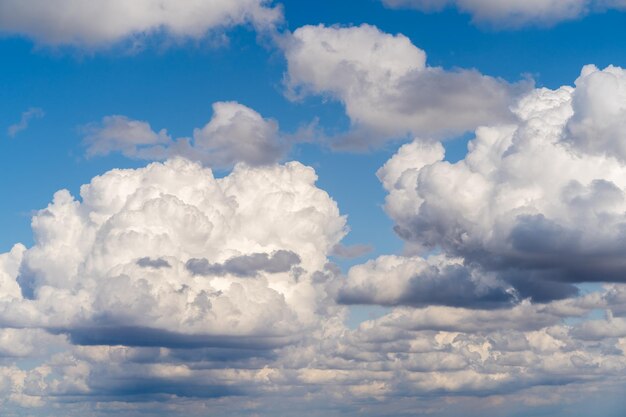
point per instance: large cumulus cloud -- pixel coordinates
(386, 86)
(97, 24)
(540, 201)
(170, 255)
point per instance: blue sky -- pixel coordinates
(173, 88)
(464, 270)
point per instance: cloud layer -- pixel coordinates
(165, 285)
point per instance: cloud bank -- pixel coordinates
(165, 285)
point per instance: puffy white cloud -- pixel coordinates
(387, 88)
(118, 266)
(514, 13)
(541, 201)
(94, 24)
(235, 133)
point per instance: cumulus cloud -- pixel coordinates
(235, 133)
(163, 256)
(415, 281)
(96, 24)
(541, 202)
(514, 13)
(27, 117)
(166, 284)
(387, 88)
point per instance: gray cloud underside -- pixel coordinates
(246, 265)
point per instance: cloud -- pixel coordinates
(414, 281)
(27, 116)
(541, 202)
(238, 133)
(94, 24)
(235, 133)
(513, 14)
(130, 137)
(163, 255)
(387, 88)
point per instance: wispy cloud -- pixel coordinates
(27, 116)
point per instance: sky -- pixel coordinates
(286, 208)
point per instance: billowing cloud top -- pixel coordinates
(94, 23)
(168, 249)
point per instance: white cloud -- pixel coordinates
(87, 273)
(27, 116)
(235, 133)
(514, 13)
(541, 201)
(96, 24)
(386, 87)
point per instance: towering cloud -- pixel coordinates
(387, 88)
(540, 201)
(96, 24)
